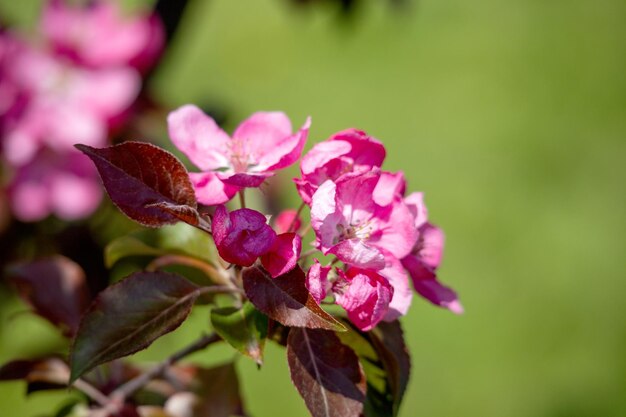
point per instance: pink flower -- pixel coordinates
(99, 35)
(365, 295)
(347, 151)
(287, 220)
(261, 144)
(317, 281)
(241, 236)
(66, 185)
(422, 264)
(284, 254)
(398, 278)
(64, 104)
(349, 224)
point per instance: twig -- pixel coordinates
(208, 269)
(242, 197)
(91, 391)
(306, 254)
(121, 393)
(296, 217)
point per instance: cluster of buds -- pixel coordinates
(372, 239)
(75, 85)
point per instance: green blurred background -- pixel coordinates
(510, 115)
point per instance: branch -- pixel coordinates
(115, 401)
(219, 276)
(91, 391)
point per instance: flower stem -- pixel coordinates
(242, 197)
(296, 217)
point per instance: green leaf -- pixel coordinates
(177, 239)
(128, 316)
(244, 328)
(125, 246)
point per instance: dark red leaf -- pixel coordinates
(219, 394)
(388, 341)
(286, 299)
(184, 213)
(39, 374)
(386, 363)
(326, 373)
(137, 175)
(128, 316)
(56, 289)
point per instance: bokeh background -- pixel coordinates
(511, 116)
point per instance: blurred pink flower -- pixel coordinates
(65, 185)
(65, 104)
(97, 34)
(261, 144)
(347, 151)
(349, 224)
(287, 220)
(425, 257)
(241, 236)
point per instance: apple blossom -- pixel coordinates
(241, 236)
(261, 144)
(349, 224)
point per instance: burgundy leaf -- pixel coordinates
(219, 394)
(137, 175)
(388, 342)
(56, 289)
(129, 316)
(387, 366)
(184, 213)
(40, 374)
(326, 373)
(286, 299)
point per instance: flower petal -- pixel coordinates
(287, 220)
(197, 135)
(241, 236)
(210, 190)
(390, 187)
(402, 293)
(284, 254)
(244, 180)
(286, 151)
(426, 284)
(365, 297)
(355, 252)
(317, 281)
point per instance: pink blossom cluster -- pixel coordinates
(74, 84)
(377, 237)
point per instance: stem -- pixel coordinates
(242, 197)
(130, 387)
(306, 254)
(207, 268)
(91, 391)
(305, 230)
(296, 217)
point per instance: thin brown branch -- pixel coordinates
(216, 274)
(118, 396)
(91, 391)
(296, 217)
(242, 197)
